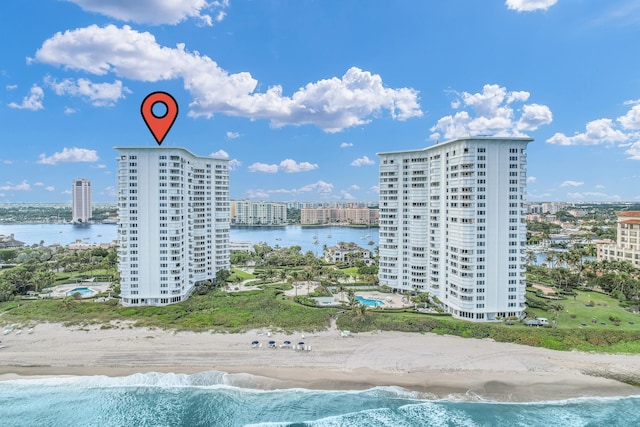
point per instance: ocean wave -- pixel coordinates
(259, 384)
(206, 379)
(212, 398)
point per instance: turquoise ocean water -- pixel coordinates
(207, 399)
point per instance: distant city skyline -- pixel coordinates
(299, 96)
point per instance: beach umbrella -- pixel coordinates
(301, 343)
(255, 342)
(287, 342)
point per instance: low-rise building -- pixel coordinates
(347, 253)
(9, 242)
(358, 216)
(246, 212)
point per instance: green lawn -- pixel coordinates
(351, 271)
(268, 308)
(604, 308)
(241, 274)
(219, 311)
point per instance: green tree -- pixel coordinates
(221, 277)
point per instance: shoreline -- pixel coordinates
(431, 365)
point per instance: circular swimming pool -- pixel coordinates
(85, 292)
(369, 302)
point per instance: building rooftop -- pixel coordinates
(630, 221)
(630, 213)
(469, 138)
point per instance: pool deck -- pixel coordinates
(390, 300)
(60, 291)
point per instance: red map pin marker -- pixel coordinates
(159, 125)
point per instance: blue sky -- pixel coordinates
(301, 94)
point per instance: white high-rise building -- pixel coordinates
(173, 231)
(452, 223)
(81, 205)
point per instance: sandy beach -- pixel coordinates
(438, 366)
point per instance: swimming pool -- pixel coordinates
(85, 292)
(369, 302)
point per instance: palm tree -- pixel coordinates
(43, 279)
(551, 258)
(361, 311)
(341, 289)
(67, 301)
(307, 275)
(283, 274)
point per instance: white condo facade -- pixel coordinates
(173, 231)
(246, 212)
(452, 223)
(81, 203)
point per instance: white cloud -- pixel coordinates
(66, 192)
(346, 195)
(631, 120)
(111, 191)
(234, 164)
(493, 114)
(531, 179)
(354, 187)
(287, 165)
(23, 186)
(363, 161)
(572, 184)
(597, 132)
(11, 87)
(263, 167)
(591, 195)
(634, 151)
(319, 187)
(50, 188)
(220, 154)
(375, 189)
(538, 196)
(156, 12)
(534, 116)
(332, 104)
(99, 94)
(346, 144)
(69, 155)
(69, 110)
(38, 184)
(31, 102)
(257, 194)
(606, 131)
(529, 5)
(600, 186)
(101, 166)
(7, 162)
(232, 135)
(290, 166)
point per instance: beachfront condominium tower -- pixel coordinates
(81, 205)
(452, 223)
(173, 231)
